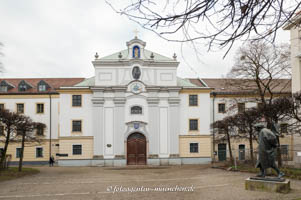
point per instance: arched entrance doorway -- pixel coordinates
(136, 149)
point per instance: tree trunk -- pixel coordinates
(229, 145)
(3, 156)
(279, 158)
(251, 146)
(22, 152)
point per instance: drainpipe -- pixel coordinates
(50, 115)
(213, 120)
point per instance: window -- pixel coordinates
(193, 124)
(76, 126)
(20, 108)
(136, 110)
(42, 88)
(18, 152)
(40, 130)
(259, 105)
(39, 152)
(1, 130)
(1, 106)
(40, 108)
(19, 132)
(221, 108)
(220, 131)
(22, 87)
(284, 149)
(283, 128)
(193, 100)
(241, 107)
(3, 88)
(76, 100)
(242, 129)
(77, 149)
(194, 147)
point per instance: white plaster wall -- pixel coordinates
(229, 102)
(30, 110)
(136, 100)
(122, 75)
(109, 132)
(164, 132)
(201, 112)
(295, 34)
(69, 113)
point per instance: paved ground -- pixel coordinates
(104, 183)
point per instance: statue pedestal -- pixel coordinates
(269, 185)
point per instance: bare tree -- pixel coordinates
(293, 103)
(26, 127)
(265, 69)
(218, 22)
(225, 131)
(266, 72)
(9, 120)
(245, 122)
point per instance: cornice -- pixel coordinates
(119, 100)
(153, 100)
(98, 101)
(129, 62)
(174, 100)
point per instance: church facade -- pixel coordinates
(134, 111)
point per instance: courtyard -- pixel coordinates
(179, 182)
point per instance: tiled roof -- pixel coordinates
(87, 82)
(197, 82)
(54, 84)
(244, 86)
(220, 85)
(190, 83)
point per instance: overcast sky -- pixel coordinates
(58, 38)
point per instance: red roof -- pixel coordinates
(54, 84)
(245, 86)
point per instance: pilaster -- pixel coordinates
(119, 125)
(97, 113)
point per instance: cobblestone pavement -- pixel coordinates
(199, 182)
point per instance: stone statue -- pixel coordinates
(267, 143)
(136, 53)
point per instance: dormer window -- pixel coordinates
(136, 52)
(43, 86)
(23, 86)
(3, 88)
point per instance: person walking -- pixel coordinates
(51, 161)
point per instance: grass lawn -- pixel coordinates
(12, 173)
(293, 173)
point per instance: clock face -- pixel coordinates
(136, 88)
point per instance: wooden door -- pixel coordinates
(222, 152)
(136, 149)
(241, 155)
